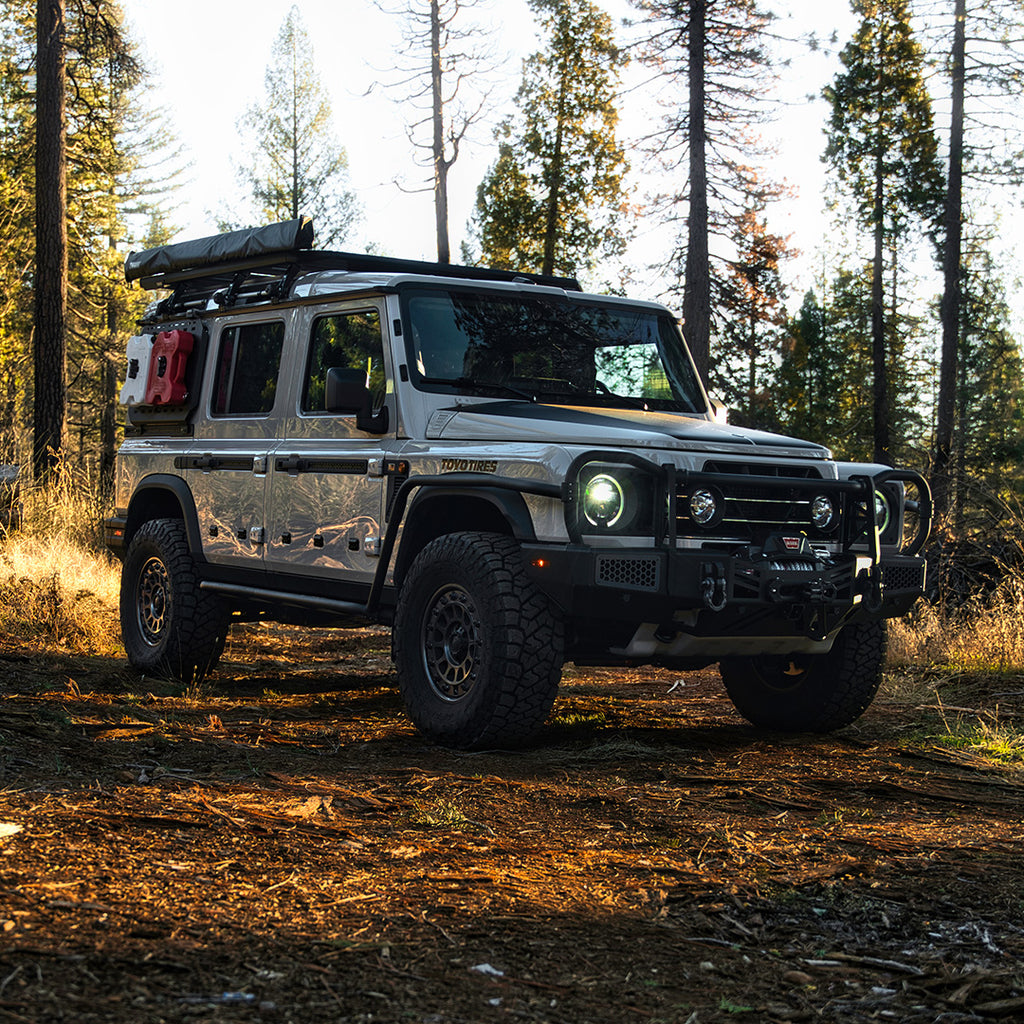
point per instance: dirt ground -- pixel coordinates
(280, 846)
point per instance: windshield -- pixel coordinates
(549, 349)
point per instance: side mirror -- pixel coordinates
(347, 391)
(719, 411)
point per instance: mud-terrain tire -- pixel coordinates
(170, 627)
(478, 648)
(810, 692)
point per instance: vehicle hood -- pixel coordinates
(629, 428)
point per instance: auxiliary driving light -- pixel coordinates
(822, 512)
(703, 507)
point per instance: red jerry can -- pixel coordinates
(167, 364)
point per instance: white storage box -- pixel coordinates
(140, 349)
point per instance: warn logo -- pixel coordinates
(792, 543)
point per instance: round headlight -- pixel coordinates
(703, 507)
(883, 513)
(822, 512)
(603, 500)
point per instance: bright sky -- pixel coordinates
(208, 58)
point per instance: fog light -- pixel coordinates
(703, 507)
(822, 512)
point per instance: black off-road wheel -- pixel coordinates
(170, 627)
(810, 692)
(478, 648)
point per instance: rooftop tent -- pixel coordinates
(234, 246)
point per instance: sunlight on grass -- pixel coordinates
(57, 588)
(984, 635)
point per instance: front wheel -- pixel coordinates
(810, 692)
(478, 648)
(170, 626)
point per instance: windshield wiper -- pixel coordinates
(471, 382)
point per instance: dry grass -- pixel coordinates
(58, 588)
(985, 635)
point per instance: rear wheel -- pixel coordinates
(810, 692)
(478, 648)
(169, 625)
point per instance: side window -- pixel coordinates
(247, 369)
(351, 340)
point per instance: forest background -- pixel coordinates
(855, 285)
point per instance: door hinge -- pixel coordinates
(256, 534)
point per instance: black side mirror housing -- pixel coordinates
(347, 391)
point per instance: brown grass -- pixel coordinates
(58, 588)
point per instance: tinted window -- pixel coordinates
(247, 367)
(349, 340)
(552, 349)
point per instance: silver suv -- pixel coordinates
(508, 472)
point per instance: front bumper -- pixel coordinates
(628, 586)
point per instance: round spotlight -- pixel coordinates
(822, 512)
(603, 500)
(703, 507)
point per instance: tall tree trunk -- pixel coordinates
(697, 286)
(555, 172)
(949, 309)
(440, 164)
(880, 383)
(50, 342)
(880, 377)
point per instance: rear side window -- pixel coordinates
(247, 368)
(349, 340)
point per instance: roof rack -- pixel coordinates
(260, 264)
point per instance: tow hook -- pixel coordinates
(871, 588)
(712, 586)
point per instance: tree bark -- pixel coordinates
(949, 309)
(697, 285)
(696, 289)
(50, 340)
(880, 377)
(440, 163)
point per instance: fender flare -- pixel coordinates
(164, 485)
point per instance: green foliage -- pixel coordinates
(110, 142)
(554, 200)
(746, 353)
(989, 441)
(882, 146)
(295, 166)
(881, 134)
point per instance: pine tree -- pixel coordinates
(553, 202)
(989, 450)
(107, 146)
(882, 145)
(714, 51)
(985, 46)
(51, 263)
(296, 167)
(747, 351)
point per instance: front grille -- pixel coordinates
(756, 509)
(630, 572)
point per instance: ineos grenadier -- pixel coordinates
(508, 472)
